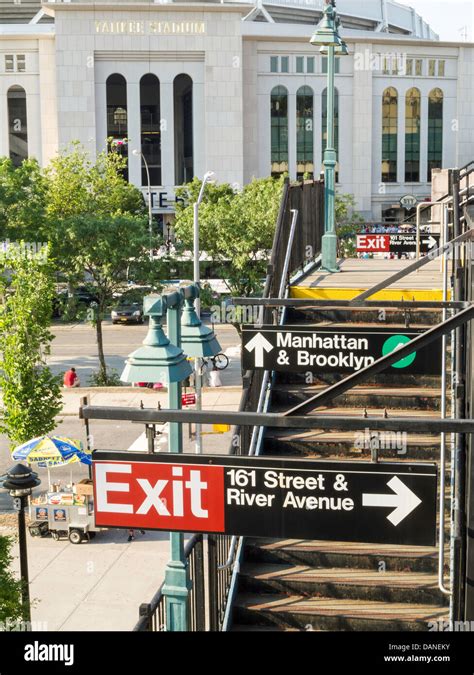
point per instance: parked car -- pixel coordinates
(82, 296)
(129, 307)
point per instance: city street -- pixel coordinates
(75, 345)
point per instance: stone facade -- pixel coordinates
(229, 61)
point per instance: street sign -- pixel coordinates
(188, 399)
(408, 201)
(403, 242)
(386, 503)
(333, 350)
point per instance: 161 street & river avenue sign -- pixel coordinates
(330, 350)
(387, 503)
(403, 242)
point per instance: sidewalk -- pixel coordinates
(222, 398)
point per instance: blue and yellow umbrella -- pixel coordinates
(49, 451)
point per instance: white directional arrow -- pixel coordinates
(259, 343)
(404, 500)
(431, 242)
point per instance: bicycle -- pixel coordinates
(219, 362)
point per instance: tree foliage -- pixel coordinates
(31, 393)
(236, 228)
(22, 201)
(11, 608)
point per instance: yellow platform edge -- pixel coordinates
(416, 295)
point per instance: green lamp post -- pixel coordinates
(162, 360)
(198, 341)
(327, 37)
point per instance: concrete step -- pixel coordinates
(348, 444)
(295, 611)
(332, 554)
(374, 316)
(285, 396)
(349, 583)
(387, 379)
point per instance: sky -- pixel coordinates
(451, 19)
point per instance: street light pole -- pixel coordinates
(177, 583)
(137, 153)
(161, 359)
(327, 37)
(209, 176)
(329, 240)
(19, 481)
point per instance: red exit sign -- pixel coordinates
(166, 496)
(188, 399)
(373, 243)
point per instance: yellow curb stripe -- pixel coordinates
(408, 294)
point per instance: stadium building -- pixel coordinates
(236, 88)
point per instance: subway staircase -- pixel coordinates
(287, 585)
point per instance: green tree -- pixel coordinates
(236, 228)
(11, 608)
(348, 224)
(31, 393)
(22, 201)
(97, 225)
(103, 247)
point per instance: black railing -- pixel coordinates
(152, 615)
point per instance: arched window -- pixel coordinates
(324, 119)
(435, 130)
(412, 135)
(117, 129)
(304, 132)
(183, 129)
(17, 124)
(389, 135)
(279, 130)
(150, 128)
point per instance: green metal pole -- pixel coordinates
(329, 241)
(177, 584)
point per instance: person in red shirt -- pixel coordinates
(71, 379)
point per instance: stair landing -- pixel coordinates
(357, 275)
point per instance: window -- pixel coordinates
(15, 63)
(385, 67)
(285, 64)
(304, 132)
(412, 136)
(409, 67)
(419, 67)
(441, 68)
(17, 125)
(310, 64)
(21, 63)
(324, 64)
(150, 129)
(299, 64)
(435, 130)
(279, 131)
(116, 94)
(432, 68)
(324, 124)
(274, 64)
(183, 129)
(389, 135)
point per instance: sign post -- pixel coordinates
(387, 503)
(333, 350)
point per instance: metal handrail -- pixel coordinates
(264, 399)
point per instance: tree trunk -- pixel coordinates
(100, 347)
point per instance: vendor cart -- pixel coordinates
(65, 514)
